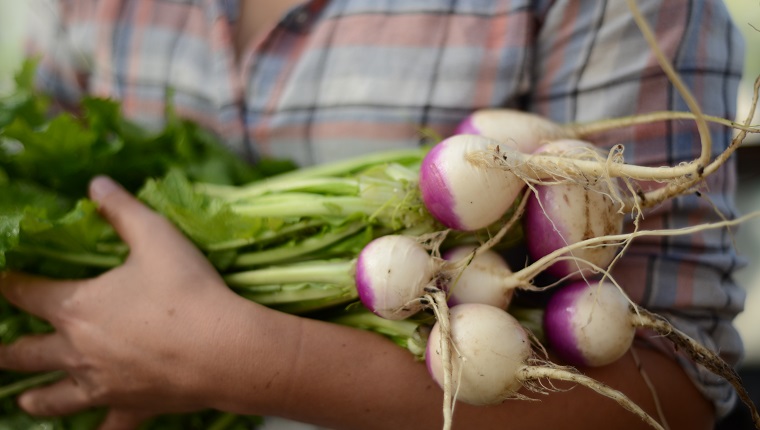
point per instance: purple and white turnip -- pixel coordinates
(493, 360)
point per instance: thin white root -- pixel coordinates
(675, 79)
(583, 130)
(437, 302)
(531, 374)
(547, 168)
(700, 354)
(680, 179)
(619, 239)
(657, 196)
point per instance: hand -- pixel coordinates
(136, 338)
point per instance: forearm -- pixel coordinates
(364, 381)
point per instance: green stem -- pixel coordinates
(334, 186)
(223, 421)
(330, 272)
(267, 236)
(31, 382)
(366, 320)
(306, 246)
(305, 205)
(83, 258)
(345, 167)
(274, 295)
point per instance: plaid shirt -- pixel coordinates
(337, 78)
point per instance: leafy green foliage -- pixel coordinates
(204, 219)
(48, 226)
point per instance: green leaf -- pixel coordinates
(47, 234)
(204, 220)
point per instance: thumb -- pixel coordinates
(132, 220)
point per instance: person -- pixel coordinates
(318, 80)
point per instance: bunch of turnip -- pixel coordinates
(573, 211)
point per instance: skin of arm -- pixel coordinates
(162, 334)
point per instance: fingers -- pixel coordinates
(34, 353)
(37, 295)
(135, 222)
(61, 398)
(66, 397)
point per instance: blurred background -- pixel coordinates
(747, 17)
(746, 14)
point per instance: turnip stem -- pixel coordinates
(267, 236)
(389, 203)
(291, 294)
(340, 168)
(405, 333)
(303, 204)
(310, 244)
(400, 328)
(30, 382)
(529, 374)
(224, 421)
(334, 186)
(697, 352)
(103, 261)
(335, 272)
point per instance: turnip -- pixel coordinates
(593, 324)
(560, 214)
(406, 298)
(392, 273)
(494, 359)
(463, 195)
(468, 182)
(486, 278)
(463, 188)
(525, 131)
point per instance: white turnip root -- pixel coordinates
(561, 214)
(485, 279)
(593, 324)
(525, 131)
(392, 273)
(493, 360)
(463, 195)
